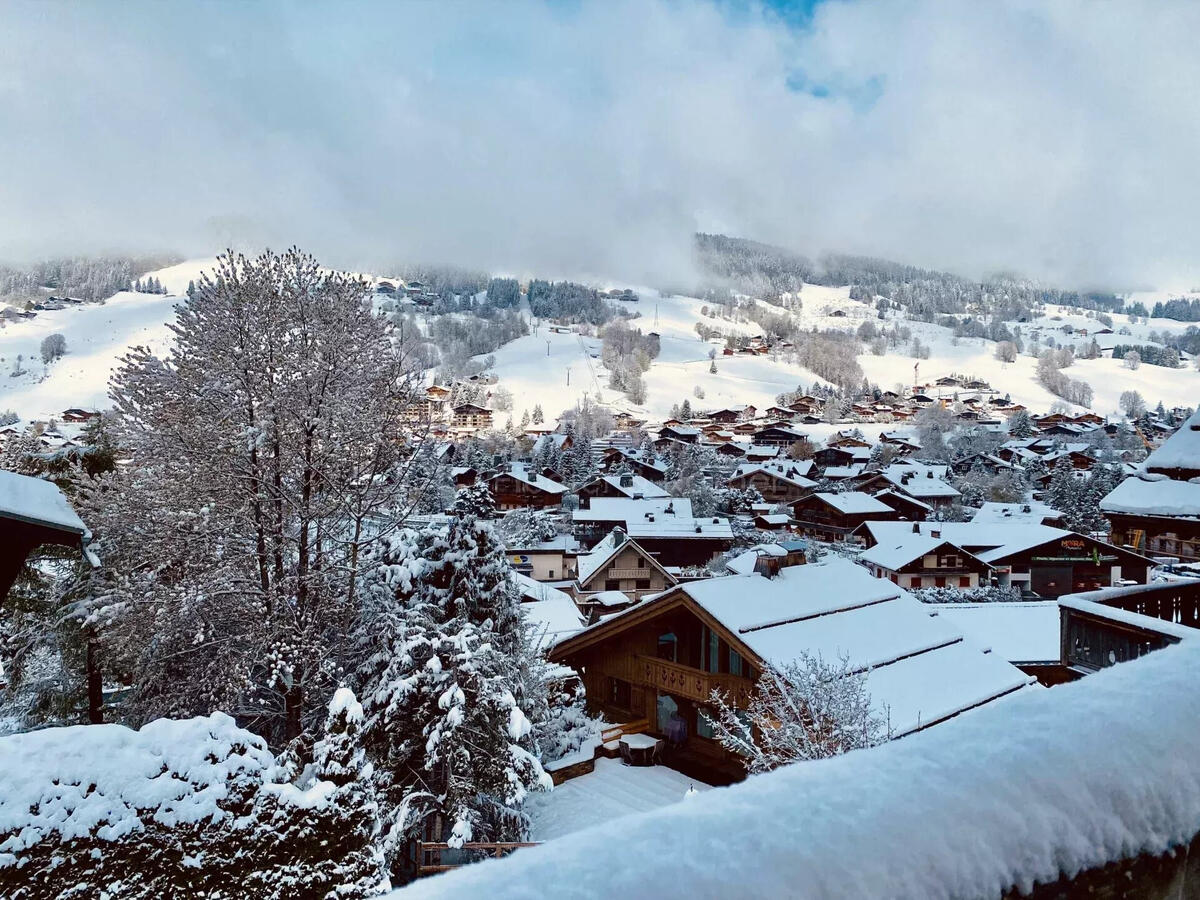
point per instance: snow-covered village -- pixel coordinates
(581, 502)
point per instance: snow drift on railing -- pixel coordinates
(1046, 783)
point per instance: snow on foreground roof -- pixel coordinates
(552, 614)
(37, 501)
(1018, 632)
(109, 780)
(611, 791)
(1050, 782)
(1153, 495)
(895, 555)
(1181, 450)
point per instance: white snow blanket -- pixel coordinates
(1050, 782)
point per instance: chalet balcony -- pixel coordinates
(630, 573)
(692, 684)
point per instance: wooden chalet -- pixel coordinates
(660, 661)
(522, 487)
(780, 435)
(777, 482)
(908, 508)
(731, 414)
(625, 484)
(682, 433)
(834, 516)
(620, 564)
(1037, 559)
(470, 415)
(923, 561)
(75, 414)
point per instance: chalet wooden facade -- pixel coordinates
(470, 415)
(777, 483)
(620, 564)
(661, 659)
(926, 563)
(834, 516)
(521, 488)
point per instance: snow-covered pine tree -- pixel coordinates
(452, 687)
(475, 500)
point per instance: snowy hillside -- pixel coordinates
(97, 335)
(555, 370)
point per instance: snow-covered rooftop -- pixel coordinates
(854, 503)
(1153, 495)
(1019, 632)
(523, 472)
(38, 502)
(1181, 450)
(895, 555)
(1031, 511)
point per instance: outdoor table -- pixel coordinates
(639, 749)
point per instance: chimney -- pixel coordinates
(936, 534)
(916, 527)
(626, 480)
(618, 537)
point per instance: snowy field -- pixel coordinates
(97, 335)
(612, 791)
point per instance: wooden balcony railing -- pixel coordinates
(692, 684)
(1170, 601)
(629, 573)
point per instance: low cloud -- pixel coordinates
(591, 139)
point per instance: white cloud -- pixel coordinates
(1056, 139)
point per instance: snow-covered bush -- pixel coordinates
(982, 594)
(194, 807)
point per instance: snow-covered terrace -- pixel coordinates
(1048, 784)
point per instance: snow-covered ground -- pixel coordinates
(97, 336)
(612, 791)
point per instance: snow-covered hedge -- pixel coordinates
(194, 807)
(985, 594)
(1042, 784)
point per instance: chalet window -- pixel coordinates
(964, 581)
(620, 693)
(641, 562)
(551, 573)
(704, 727)
(668, 646)
(940, 581)
(712, 651)
(612, 584)
(643, 584)
(735, 662)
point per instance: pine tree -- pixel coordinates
(538, 416)
(475, 500)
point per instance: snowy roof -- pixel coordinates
(919, 480)
(791, 474)
(837, 609)
(37, 502)
(744, 562)
(638, 485)
(521, 472)
(775, 518)
(1031, 511)
(616, 509)
(990, 542)
(610, 598)
(894, 556)
(1015, 794)
(851, 471)
(1153, 495)
(1019, 632)
(551, 613)
(1181, 450)
(854, 503)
